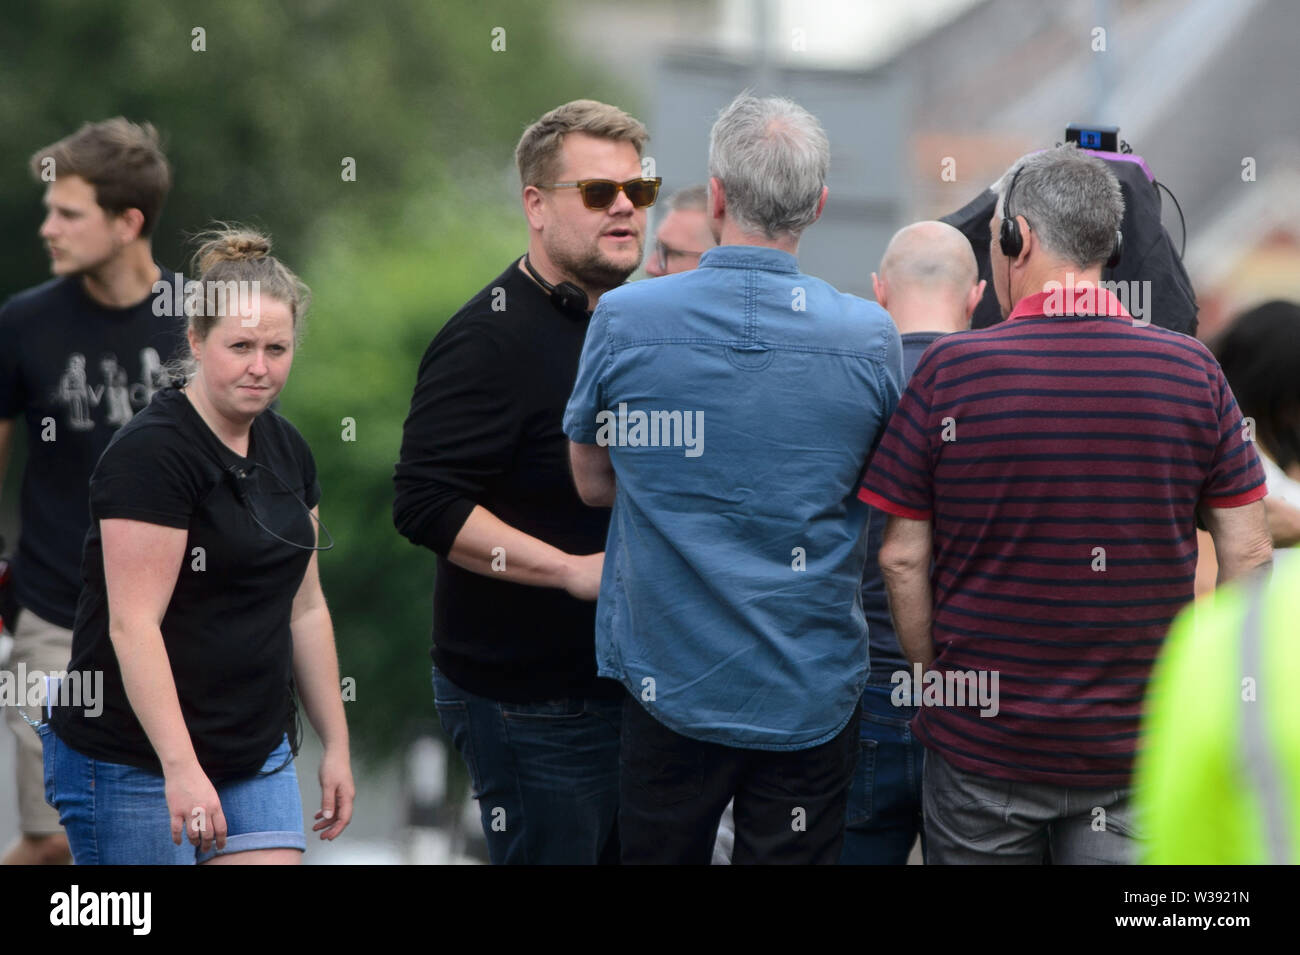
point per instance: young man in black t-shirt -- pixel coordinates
(484, 482)
(79, 356)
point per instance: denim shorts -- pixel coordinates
(117, 815)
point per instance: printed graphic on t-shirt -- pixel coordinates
(118, 399)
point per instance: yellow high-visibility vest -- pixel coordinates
(1218, 776)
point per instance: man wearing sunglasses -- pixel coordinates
(727, 413)
(484, 482)
(684, 234)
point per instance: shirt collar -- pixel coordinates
(749, 257)
(1081, 300)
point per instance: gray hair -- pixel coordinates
(1070, 198)
(689, 199)
(771, 156)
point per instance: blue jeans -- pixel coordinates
(884, 815)
(117, 815)
(545, 774)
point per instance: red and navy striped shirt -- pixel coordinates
(1061, 460)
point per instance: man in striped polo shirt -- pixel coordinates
(1053, 467)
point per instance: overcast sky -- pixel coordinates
(840, 33)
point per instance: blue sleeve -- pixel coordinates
(900, 472)
(891, 377)
(894, 372)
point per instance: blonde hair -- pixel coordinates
(232, 256)
(538, 152)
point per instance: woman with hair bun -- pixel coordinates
(201, 604)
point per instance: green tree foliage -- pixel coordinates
(257, 126)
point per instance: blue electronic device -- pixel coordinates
(1101, 138)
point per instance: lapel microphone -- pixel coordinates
(238, 475)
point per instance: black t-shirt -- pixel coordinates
(226, 628)
(78, 371)
(484, 428)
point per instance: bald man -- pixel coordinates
(929, 283)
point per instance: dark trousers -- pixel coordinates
(545, 774)
(790, 804)
(884, 816)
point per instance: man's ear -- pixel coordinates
(532, 199)
(974, 298)
(1028, 239)
(880, 290)
(717, 198)
(128, 224)
(821, 203)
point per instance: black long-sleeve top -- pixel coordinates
(484, 428)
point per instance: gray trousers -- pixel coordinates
(978, 820)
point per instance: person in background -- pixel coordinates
(1260, 356)
(929, 283)
(483, 482)
(684, 234)
(79, 356)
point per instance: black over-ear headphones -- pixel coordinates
(566, 296)
(1117, 252)
(1009, 238)
(1012, 242)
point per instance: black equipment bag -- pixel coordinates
(1148, 253)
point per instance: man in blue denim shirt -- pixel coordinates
(734, 408)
